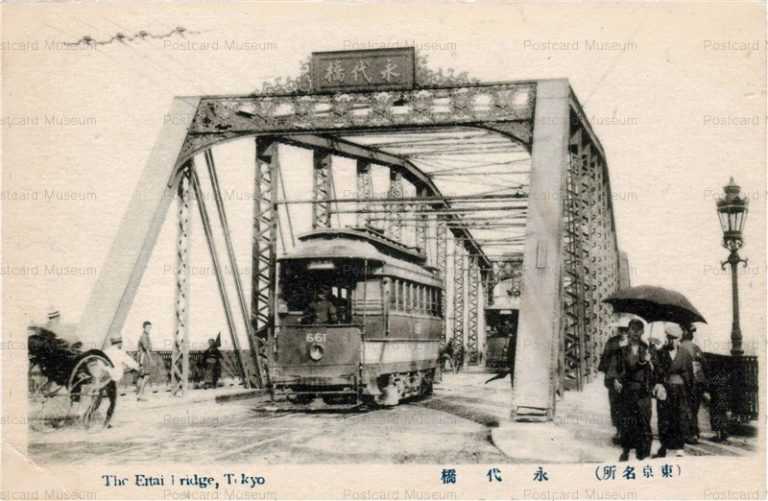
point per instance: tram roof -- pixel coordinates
(356, 243)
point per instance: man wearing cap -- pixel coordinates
(674, 376)
(698, 389)
(610, 366)
(635, 382)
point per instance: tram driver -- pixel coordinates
(322, 309)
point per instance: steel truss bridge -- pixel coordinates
(546, 196)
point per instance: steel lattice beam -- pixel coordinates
(441, 260)
(394, 216)
(264, 252)
(473, 325)
(364, 190)
(458, 294)
(321, 189)
(180, 353)
(422, 220)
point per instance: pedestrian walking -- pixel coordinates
(120, 362)
(610, 366)
(699, 384)
(145, 360)
(634, 382)
(674, 373)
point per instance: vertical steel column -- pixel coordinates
(441, 260)
(458, 293)
(473, 325)
(489, 282)
(264, 253)
(592, 266)
(364, 191)
(394, 214)
(572, 324)
(321, 189)
(422, 223)
(180, 353)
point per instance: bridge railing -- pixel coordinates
(735, 379)
(161, 369)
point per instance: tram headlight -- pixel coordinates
(316, 352)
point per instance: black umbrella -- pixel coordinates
(654, 304)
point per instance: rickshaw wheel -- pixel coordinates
(87, 388)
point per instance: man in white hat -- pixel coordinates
(610, 366)
(64, 331)
(674, 377)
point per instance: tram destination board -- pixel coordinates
(350, 70)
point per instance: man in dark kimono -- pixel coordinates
(610, 366)
(211, 365)
(635, 383)
(146, 360)
(674, 372)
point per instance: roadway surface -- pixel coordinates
(254, 431)
(464, 422)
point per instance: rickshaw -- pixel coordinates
(66, 384)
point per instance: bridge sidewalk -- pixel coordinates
(580, 432)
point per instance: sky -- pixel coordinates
(676, 93)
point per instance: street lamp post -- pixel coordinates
(732, 209)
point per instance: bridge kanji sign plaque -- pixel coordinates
(384, 69)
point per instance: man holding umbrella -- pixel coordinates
(635, 383)
(610, 365)
(673, 369)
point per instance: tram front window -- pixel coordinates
(316, 297)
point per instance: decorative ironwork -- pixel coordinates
(180, 353)
(504, 102)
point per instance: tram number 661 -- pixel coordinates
(316, 337)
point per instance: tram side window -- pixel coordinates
(407, 302)
(393, 293)
(367, 298)
(432, 305)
